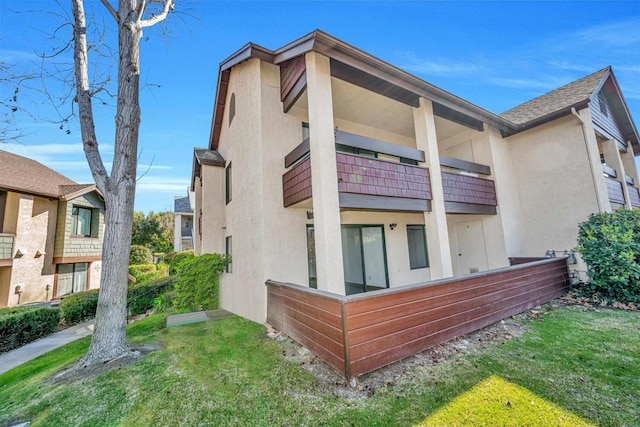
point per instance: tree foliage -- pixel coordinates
(610, 246)
(154, 231)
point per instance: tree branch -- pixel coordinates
(83, 97)
(110, 8)
(167, 6)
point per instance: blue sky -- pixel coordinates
(494, 54)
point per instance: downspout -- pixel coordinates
(586, 146)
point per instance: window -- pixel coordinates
(602, 102)
(311, 257)
(228, 183)
(228, 250)
(232, 108)
(80, 221)
(418, 256)
(71, 278)
(353, 150)
(305, 130)
(408, 161)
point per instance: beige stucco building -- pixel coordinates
(327, 167)
(51, 233)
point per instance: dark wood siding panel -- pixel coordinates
(523, 260)
(290, 72)
(468, 189)
(606, 122)
(614, 190)
(296, 183)
(434, 337)
(460, 298)
(634, 196)
(363, 175)
(409, 294)
(380, 333)
(381, 343)
(313, 320)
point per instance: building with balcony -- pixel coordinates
(51, 233)
(331, 169)
(183, 223)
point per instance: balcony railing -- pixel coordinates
(6, 246)
(371, 183)
(615, 192)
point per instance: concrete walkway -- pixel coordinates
(37, 348)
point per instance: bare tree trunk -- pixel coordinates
(118, 188)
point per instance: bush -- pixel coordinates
(21, 325)
(148, 272)
(141, 297)
(79, 306)
(140, 255)
(176, 260)
(610, 246)
(196, 286)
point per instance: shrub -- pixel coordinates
(610, 246)
(140, 255)
(196, 286)
(79, 306)
(148, 272)
(178, 258)
(141, 297)
(21, 325)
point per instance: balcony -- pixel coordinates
(366, 182)
(6, 249)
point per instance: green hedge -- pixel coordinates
(196, 286)
(140, 255)
(79, 306)
(21, 325)
(610, 246)
(148, 272)
(177, 259)
(140, 297)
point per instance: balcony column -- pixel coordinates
(436, 220)
(324, 175)
(612, 156)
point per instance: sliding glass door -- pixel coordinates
(364, 258)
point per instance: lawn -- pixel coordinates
(574, 366)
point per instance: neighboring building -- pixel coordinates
(51, 232)
(183, 224)
(327, 167)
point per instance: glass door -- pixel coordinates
(311, 257)
(364, 258)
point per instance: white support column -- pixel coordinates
(612, 156)
(324, 175)
(591, 147)
(436, 220)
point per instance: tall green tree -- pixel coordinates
(154, 231)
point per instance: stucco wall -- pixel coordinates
(34, 229)
(555, 184)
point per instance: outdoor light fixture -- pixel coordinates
(392, 226)
(20, 253)
(39, 254)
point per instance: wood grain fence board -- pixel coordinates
(372, 362)
(413, 293)
(428, 313)
(328, 350)
(449, 319)
(375, 315)
(332, 333)
(331, 318)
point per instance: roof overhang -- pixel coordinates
(204, 157)
(344, 58)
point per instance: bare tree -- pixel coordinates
(118, 187)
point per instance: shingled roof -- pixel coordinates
(24, 175)
(563, 98)
(182, 205)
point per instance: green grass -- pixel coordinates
(582, 366)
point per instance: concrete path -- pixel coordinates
(37, 348)
(195, 317)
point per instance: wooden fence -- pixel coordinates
(359, 333)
